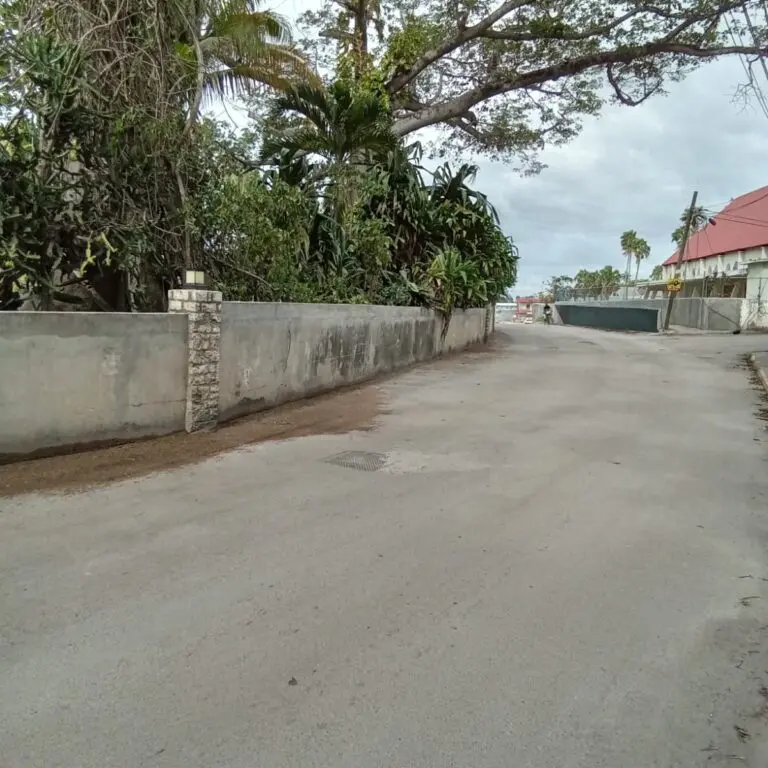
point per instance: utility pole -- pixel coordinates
(680, 255)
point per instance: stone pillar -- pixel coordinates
(203, 308)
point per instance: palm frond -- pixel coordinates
(252, 28)
(303, 140)
(309, 101)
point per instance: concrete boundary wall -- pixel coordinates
(70, 378)
(710, 314)
(273, 353)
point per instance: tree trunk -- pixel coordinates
(360, 39)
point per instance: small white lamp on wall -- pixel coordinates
(194, 279)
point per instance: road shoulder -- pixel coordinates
(759, 361)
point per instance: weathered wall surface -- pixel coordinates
(711, 314)
(614, 318)
(73, 377)
(272, 353)
(754, 313)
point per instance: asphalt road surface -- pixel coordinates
(555, 558)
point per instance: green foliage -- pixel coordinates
(657, 273)
(243, 46)
(698, 221)
(254, 236)
(338, 124)
(408, 42)
(596, 284)
(108, 191)
(559, 288)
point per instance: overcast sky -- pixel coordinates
(631, 168)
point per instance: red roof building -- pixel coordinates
(525, 305)
(728, 258)
(741, 226)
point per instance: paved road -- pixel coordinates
(546, 573)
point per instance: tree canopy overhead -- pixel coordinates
(507, 78)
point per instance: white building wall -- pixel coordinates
(733, 264)
(755, 309)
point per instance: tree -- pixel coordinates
(585, 284)
(345, 127)
(657, 273)
(505, 79)
(629, 240)
(106, 192)
(634, 247)
(642, 252)
(699, 220)
(103, 179)
(558, 287)
(231, 46)
(608, 280)
(339, 124)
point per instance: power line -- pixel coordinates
(709, 242)
(754, 36)
(751, 82)
(718, 211)
(728, 216)
(746, 222)
(750, 202)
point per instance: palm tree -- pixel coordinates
(339, 124)
(230, 47)
(233, 46)
(642, 252)
(628, 246)
(633, 247)
(608, 280)
(699, 220)
(585, 283)
(348, 128)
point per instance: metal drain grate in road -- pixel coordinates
(363, 460)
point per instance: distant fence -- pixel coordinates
(612, 318)
(711, 314)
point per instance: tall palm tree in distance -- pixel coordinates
(633, 247)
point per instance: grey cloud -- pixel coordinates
(631, 169)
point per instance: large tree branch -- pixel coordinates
(484, 29)
(523, 34)
(448, 110)
(464, 35)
